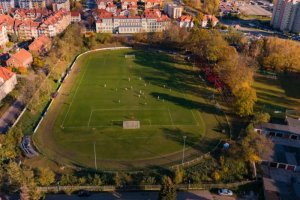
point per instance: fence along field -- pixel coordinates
(112, 87)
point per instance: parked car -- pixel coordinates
(225, 192)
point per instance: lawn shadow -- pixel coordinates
(163, 72)
(290, 82)
(186, 103)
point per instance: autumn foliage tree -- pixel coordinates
(168, 190)
(212, 49)
(281, 55)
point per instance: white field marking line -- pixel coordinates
(139, 137)
(194, 118)
(171, 117)
(62, 124)
(90, 118)
(105, 126)
(121, 109)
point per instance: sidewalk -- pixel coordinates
(11, 114)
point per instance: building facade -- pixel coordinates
(3, 36)
(185, 21)
(61, 4)
(7, 5)
(286, 15)
(150, 21)
(30, 4)
(75, 16)
(8, 81)
(174, 11)
(290, 130)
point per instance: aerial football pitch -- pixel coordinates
(84, 126)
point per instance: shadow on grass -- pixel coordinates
(199, 143)
(163, 72)
(276, 99)
(290, 82)
(186, 103)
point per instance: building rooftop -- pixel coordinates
(22, 55)
(5, 75)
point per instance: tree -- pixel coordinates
(168, 190)
(91, 21)
(38, 63)
(45, 176)
(13, 38)
(96, 180)
(103, 37)
(178, 175)
(261, 117)
(245, 99)
(255, 146)
(89, 42)
(216, 176)
(281, 55)
(211, 6)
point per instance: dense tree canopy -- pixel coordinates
(281, 55)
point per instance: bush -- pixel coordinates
(22, 70)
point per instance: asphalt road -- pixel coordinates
(11, 114)
(193, 195)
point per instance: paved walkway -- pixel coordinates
(192, 195)
(11, 114)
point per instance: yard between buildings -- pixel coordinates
(277, 94)
(105, 88)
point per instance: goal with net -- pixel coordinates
(131, 56)
(131, 124)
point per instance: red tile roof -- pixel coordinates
(75, 13)
(39, 43)
(22, 55)
(183, 18)
(210, 17)
(5, 74)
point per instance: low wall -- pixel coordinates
(110, 188)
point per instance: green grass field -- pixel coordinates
(106, 89)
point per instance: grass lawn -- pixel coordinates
(275, 96)
(105, 89)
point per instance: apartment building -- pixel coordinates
(7, 5)
(150, 21)
(55, 24)
(7, 22)
(3, 36)
(8, 81)
(61, 4)
(40, 45)
(26, 29)
(20, 59)
(151, 4)
(30, 4)
(185, 21)
(129, 4)
(75, 16)
(102, 4)
(286, 15)
(33, 14)
(174, 11)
